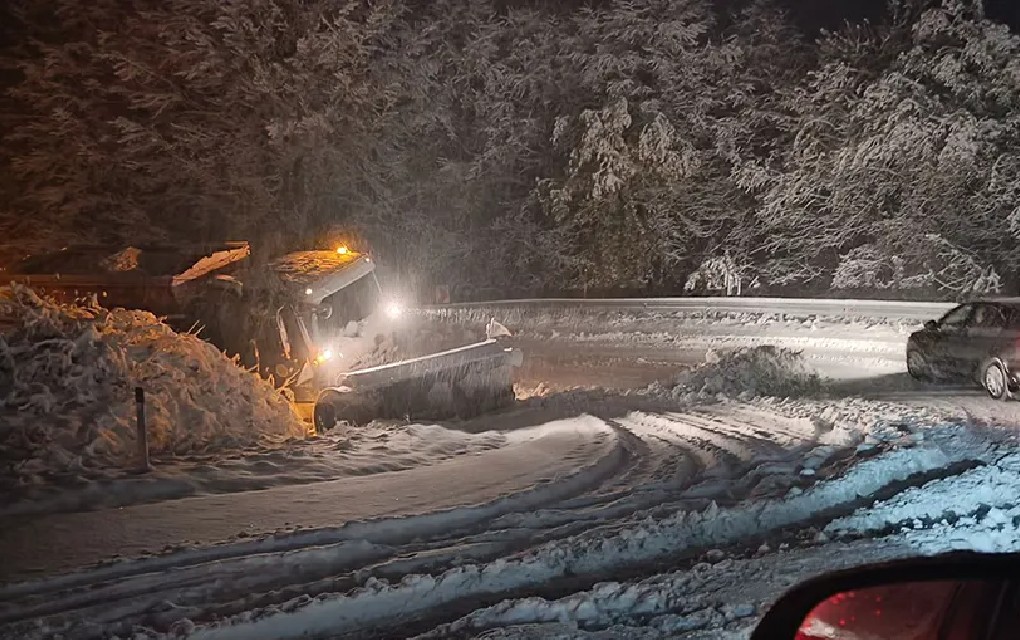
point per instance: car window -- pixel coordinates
(1012, 317)
(957, 318)
(988, 316)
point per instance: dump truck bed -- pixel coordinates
(316, 275)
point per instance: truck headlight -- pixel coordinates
(324, 356)
(393, 310)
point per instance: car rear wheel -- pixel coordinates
(994, 381)
(918, 366)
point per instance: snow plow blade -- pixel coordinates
(462, 382)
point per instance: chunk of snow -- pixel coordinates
(495, 330)
(763, 370)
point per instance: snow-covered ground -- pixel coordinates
(272, 462)
(676, 499)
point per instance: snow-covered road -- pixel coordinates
(643, 509)
(582, 448)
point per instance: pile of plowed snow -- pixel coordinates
(67, 380)
(749, 372)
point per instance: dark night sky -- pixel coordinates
(1007, 11)
(815, 14)
(830, 14)
(809, 14)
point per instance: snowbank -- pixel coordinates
(720, 597)
(975, 510)
(757, 371)
(67, 379)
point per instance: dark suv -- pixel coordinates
(977, 341)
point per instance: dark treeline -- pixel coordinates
(515, 146)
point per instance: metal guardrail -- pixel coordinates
(885, 309)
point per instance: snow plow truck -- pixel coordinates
(316, 323)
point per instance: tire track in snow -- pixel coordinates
(386, 532)
(652, 460)
(373, 606)
(699, 448)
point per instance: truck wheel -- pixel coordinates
(994, 381)
(343, 406)
(324, 417)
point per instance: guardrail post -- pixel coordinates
(143, 432)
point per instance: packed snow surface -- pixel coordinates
(67, 390)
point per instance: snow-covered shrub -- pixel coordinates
(868, 267)
(951, 268)
(719, 273)
(960, 271)
(67, 380)
(931, 261)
